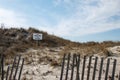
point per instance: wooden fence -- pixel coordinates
(13, 71)
(88, 68)
(73, 68)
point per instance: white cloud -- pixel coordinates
(90, 17)
(11, 18)
(84, 17)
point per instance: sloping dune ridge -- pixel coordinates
(43, 61)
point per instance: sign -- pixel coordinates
(37, 36)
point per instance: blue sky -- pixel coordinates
(77, 20)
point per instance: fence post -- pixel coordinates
(19, 57)
(62, 70)
(68, 62)
(95, 65)
(119, 76)
(0, 64)
(107, 69)
(21, 69)
(13, 65)
(78, 64)
(73, 64)
(89, 66)
(114, 67)
(83, 68)
(2, 67)
(7, 72)
(100, 71)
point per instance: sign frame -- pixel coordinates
(37, 36)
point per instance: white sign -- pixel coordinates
(37, 36)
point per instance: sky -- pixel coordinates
(76, 20)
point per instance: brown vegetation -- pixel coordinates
(16, 40)
(90, 48)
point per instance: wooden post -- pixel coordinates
(114, 67)
(95, 65)
(19, 57)
(2, 67)
(100, 71)
(68, 62)
(119, 76)
(0, 64)
(83, 68)
(73, 64)
(107, 69)
(62, 70)
(13, 65)
(37, 43)
(78, 65)
(21, 69)
(7, 73)
(89, 66)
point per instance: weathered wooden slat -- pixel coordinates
(62, 70)
(89, 66)
(119, 76)
(78, 65)
(19, 57)
(0, 64)
(114, 68)
(107, 69)
(2, 67)
(13, 65)
(94, 71)
(100, 70)
(73, 64)
(83, 68)
(21, 69)
(68, 62)
(7, 72)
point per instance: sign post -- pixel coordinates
(37, 37)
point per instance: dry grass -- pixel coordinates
(14, 41)
(90, 48)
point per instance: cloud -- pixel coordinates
(89, 17)
(69, 17)
(11, 18)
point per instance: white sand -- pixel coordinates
(37, 66)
